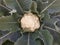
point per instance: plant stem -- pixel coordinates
(5, 35)
(28, 38)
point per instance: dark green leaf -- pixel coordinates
(8, 42)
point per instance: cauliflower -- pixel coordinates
(30, 22)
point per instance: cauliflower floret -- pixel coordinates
(30, 22)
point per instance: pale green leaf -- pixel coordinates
(8, 23)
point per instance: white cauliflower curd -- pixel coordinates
(30, 22)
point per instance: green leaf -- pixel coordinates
(25, 4)
(56, 5)
(19, 5)
(46, 16)
(12, 4)
(9, 3)
(8, 23)
(33, 6)
(1, 13)
(46, 37)
(36, 38)
(56, 38)
(40, 5)
(26, 39)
